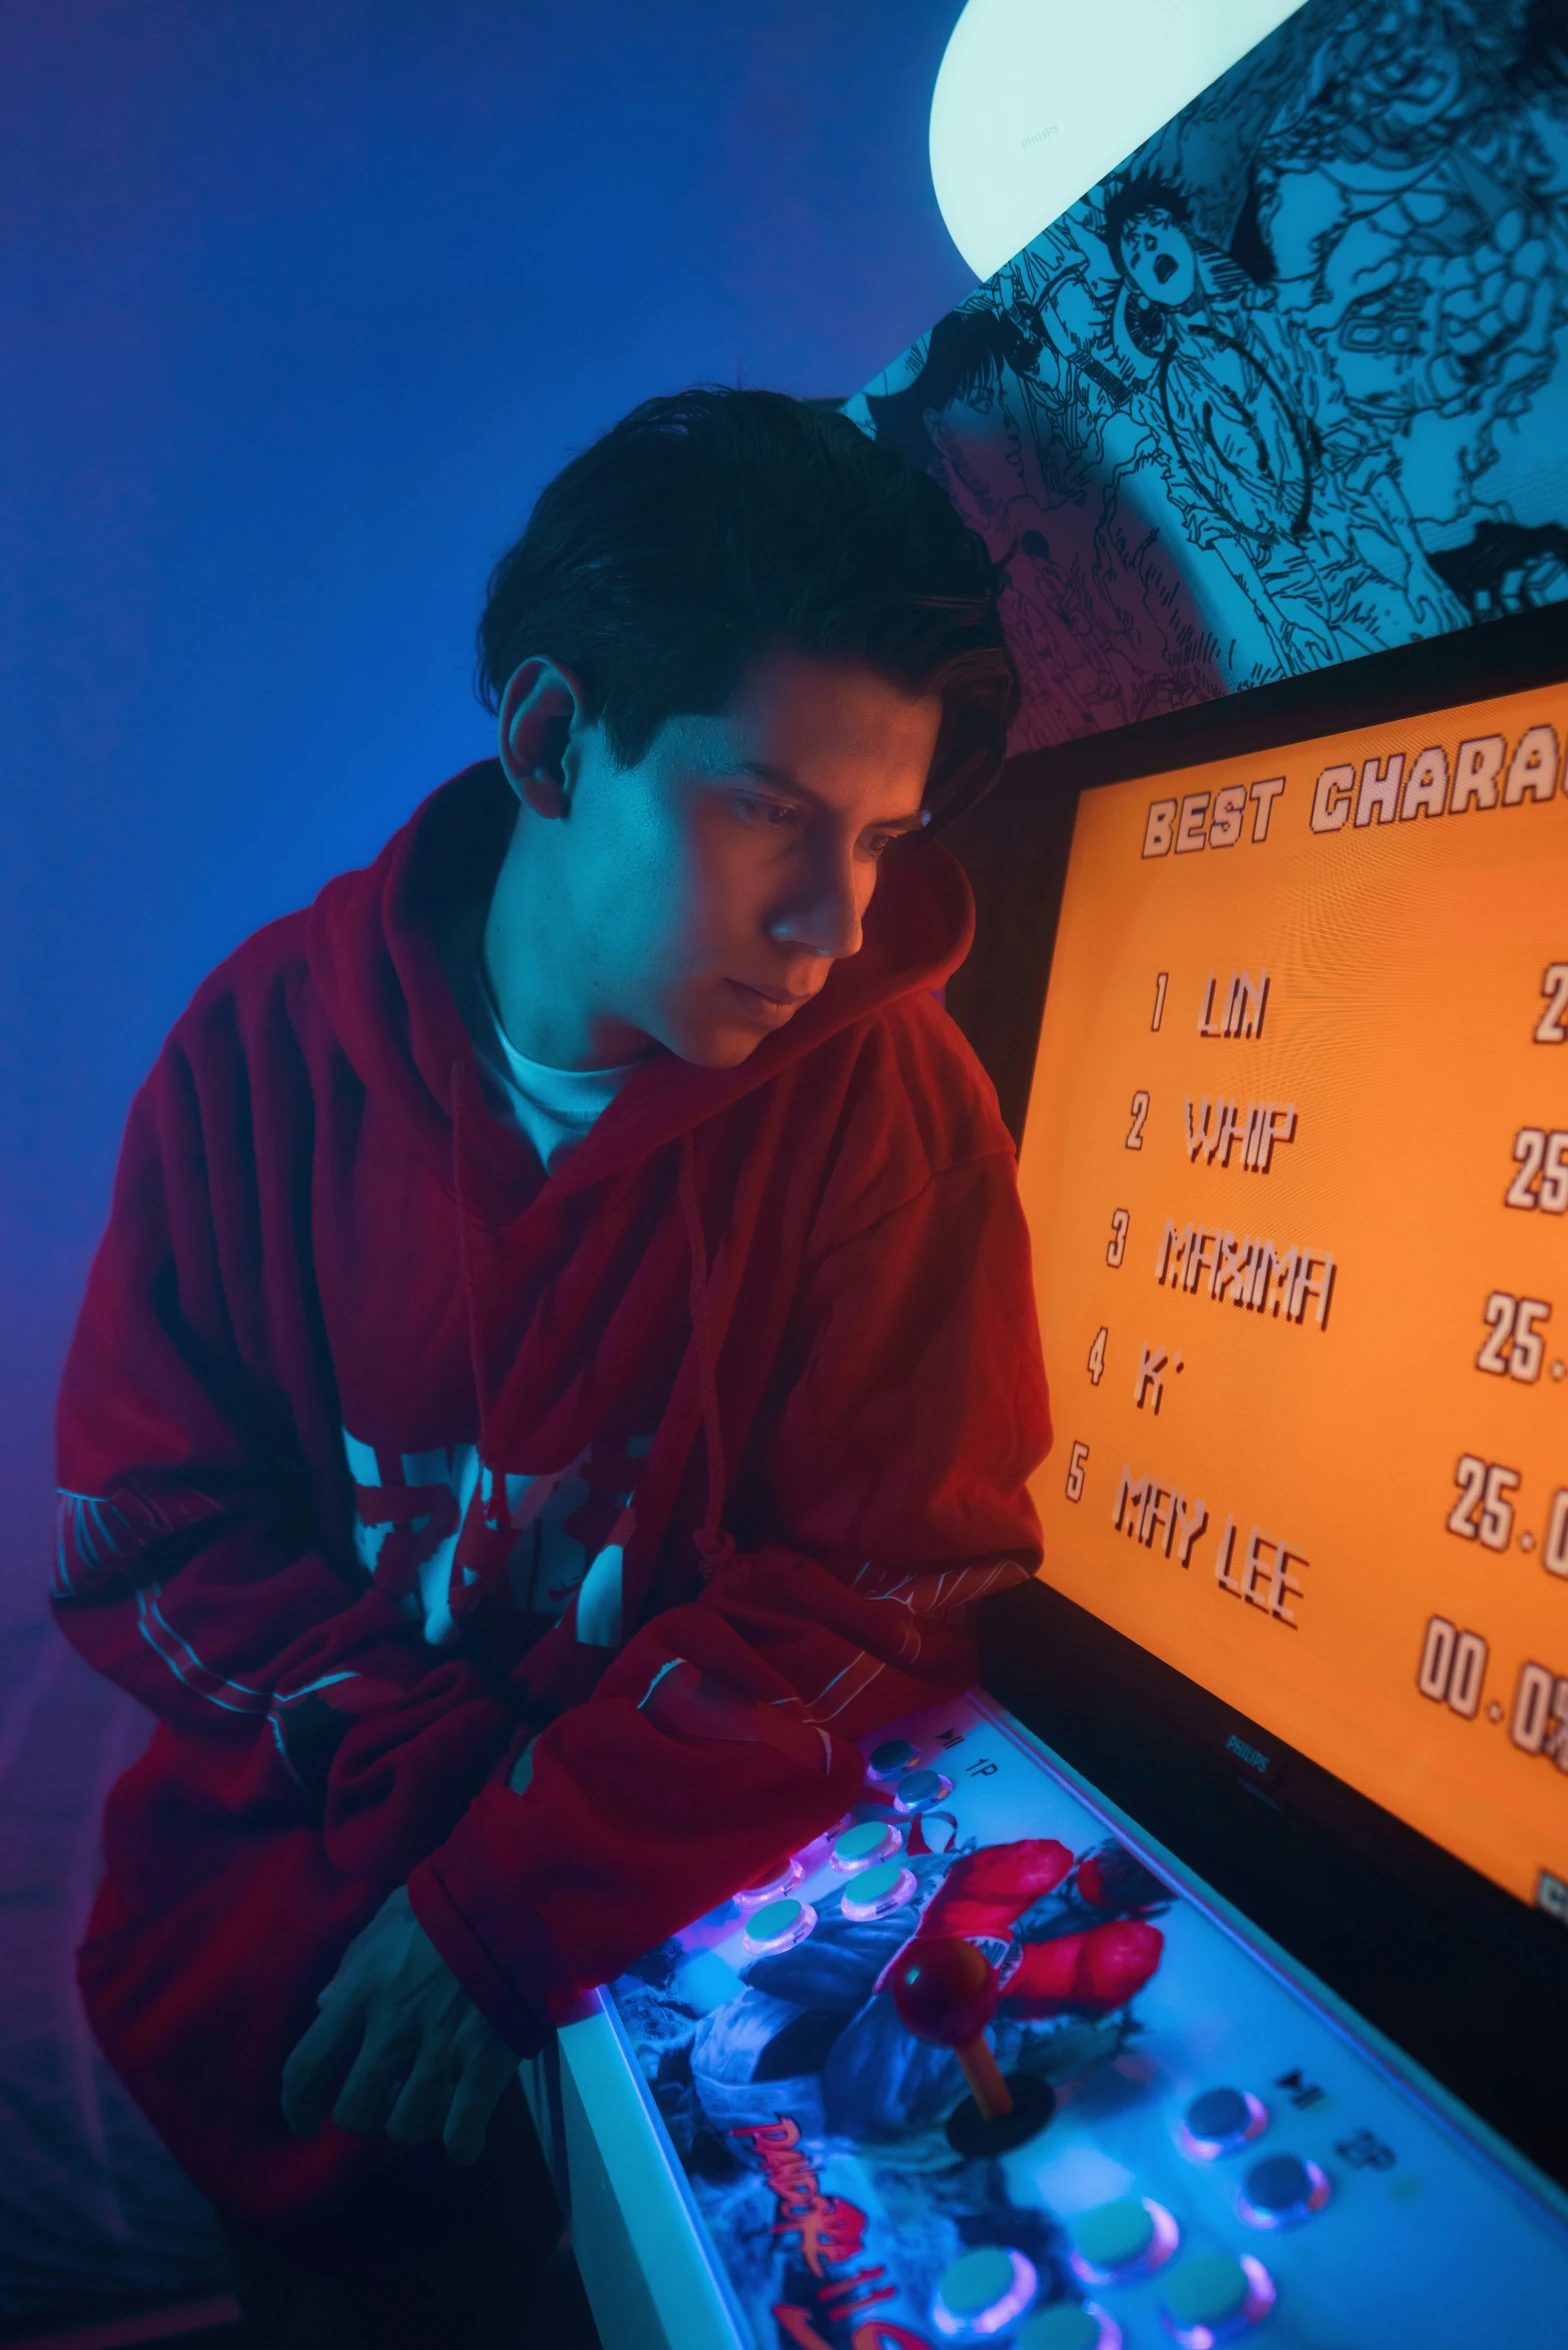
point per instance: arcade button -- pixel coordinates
(1123, 2241)
(779, 1925)
(891, 1757)
(860, 1848)
(919, 1790)
(1212, 2296)
(983, 2293)
(1071, 2325)
(769, 1885)
(879, 1891)
(1281, 2192)
(1221, 2121)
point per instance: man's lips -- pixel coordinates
(772, 1005)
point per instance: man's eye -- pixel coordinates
(773, 815)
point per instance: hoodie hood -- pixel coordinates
(372, 949)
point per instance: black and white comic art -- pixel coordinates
(1290, 386)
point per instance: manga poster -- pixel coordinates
(1288, 387)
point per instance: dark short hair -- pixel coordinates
(709, 527)
(1132, 199)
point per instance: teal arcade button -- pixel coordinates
(1117, 2236)
(878, 1883)
(1211, 2297)
(778, 1925)
(1123, 2240)
(1067, 2326)
(1207, 2289)
(971, 2284)
(984, 2292)
(875, 1893)
(892, 1756)
(866, 1843)
(777, 1918)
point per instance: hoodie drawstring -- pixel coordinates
(465, 1257)
(482, 1551)
(715, 1548)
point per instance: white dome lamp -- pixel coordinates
(1038, 100)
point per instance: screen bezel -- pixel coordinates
(1470, 1980)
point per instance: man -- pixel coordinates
(562, 1364)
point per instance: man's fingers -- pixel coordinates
(475, 2099)
(368, 2095)
(421, 2108)
(314, 2065)
(397, 2045)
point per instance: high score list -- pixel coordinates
(1296, 1168)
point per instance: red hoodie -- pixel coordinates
(777, 1322)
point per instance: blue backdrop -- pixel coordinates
(302, 301)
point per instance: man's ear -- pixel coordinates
(541, 715)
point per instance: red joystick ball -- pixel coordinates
(946, 1991)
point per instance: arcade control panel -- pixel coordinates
(985, 2065)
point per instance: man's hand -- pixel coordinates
(428, 2064)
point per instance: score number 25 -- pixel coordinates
(1542, 1180)
(1515, 1348)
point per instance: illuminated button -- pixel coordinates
(891, 1757)
(983, 2292)
(1212, 2296)
(1071, 2325)
(858, 1847)
(921, 1788)
(769, 1887)
(1281, 2192)
(1220, 2121)
(779, 1925)
(879, 1891)
(1123, 2240)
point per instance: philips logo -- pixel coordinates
(1245, 1753)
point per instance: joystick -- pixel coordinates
(945, 1991)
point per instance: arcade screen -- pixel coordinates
(1296, 1167)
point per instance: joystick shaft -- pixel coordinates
(945, 1990)
(986, 2086)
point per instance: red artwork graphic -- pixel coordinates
(829, 2229)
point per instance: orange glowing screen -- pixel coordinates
(1296, 1167)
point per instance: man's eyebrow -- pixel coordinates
(781, 780)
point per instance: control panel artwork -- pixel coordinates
(973, 2069)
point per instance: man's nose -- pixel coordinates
(824, 916)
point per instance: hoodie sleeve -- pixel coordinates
(189, 1568)
(893, 1488)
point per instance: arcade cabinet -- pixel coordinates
(1203, 1976)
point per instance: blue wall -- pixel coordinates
(302, 301)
